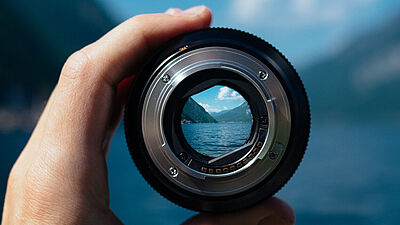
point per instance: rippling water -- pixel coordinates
(215, 139)
(350, 175)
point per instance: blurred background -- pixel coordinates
(346, 51)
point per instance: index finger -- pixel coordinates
(122, 49)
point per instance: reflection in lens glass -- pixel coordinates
(216, 121)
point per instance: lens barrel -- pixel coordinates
(156, 115)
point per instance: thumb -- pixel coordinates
(270, 212)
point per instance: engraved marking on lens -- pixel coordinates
(264, 120)
(183, 156)
(279, 146)
(183, 48)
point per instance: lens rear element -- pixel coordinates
(216, 121)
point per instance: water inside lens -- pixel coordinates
(216, 121)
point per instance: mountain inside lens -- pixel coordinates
(216, 121)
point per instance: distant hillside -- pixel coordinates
(240, 114)
(195, 113)
(37, 37)
(215, 114)
(362, 80)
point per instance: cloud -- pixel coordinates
(247, 9)
(226, 93)
(210, 108)
(294, 12)
(378, 70)
(303, 6)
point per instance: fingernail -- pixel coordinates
(194, 10)
(173, 11)
(188, 12)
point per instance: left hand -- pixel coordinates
(61, 175)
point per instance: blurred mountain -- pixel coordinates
(240, 114)
(194, 113)
(362, 80)
(215, 114)
(36, 39)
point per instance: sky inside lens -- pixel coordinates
(218, 98)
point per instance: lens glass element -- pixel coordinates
(216, 121)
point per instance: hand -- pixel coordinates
(61, 175)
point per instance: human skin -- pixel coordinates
(61, 175)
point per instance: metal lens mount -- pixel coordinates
(190, 64)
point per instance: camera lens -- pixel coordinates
(217, 120)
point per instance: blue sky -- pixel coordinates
(304, 30)
(218, 98)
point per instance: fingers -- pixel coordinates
(119, 52)
(64, 162)
(80, 110)
(271, 212)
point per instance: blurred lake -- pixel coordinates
(215, 139)
(349, 175)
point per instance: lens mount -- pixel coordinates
(184, 72)
(191, 64)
